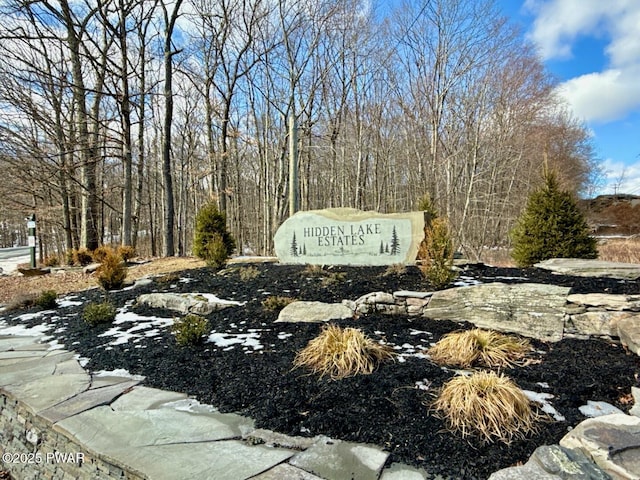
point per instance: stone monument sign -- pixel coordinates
(347, 236)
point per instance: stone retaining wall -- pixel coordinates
(546, 312)
(32, 450)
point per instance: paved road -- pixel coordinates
(8, 253)
(11, 257)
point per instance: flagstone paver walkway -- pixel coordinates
(60, 422)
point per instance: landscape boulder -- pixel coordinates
(185, 303)
(534, 310)
(314, 312)
(628, 328)
(591, 268)
(553, 462)
(612, 441)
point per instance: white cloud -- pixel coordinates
(559, 22)
(621, 178)
(603, 96)
(614, 92)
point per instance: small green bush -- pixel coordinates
(212, 242)
(332, 278)
(47, 299)
(168, 278)
(248, 273)
(190, 330)
(551, 226)
(313, 271)
(275, 302)
(112, 272)
(436, 254)
(97, 313)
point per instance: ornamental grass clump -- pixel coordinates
(487, 405)
(477, 347)
(190, 330)
(342, 352)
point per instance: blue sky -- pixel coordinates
(593, 48)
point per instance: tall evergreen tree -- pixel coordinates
(551, 226)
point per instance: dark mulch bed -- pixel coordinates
(384, 408)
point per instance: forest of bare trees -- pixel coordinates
(120, 118)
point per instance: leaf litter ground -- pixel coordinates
(246, 364)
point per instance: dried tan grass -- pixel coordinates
(479, 347)
(497, 257)
(64, 282)
(342, 352)
(488, 405)
(625, 250)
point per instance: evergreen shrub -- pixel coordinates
(97, 313)
(47, 299)
(190, 330)
(213, 243)
(100, 253)
(81, 257)
(126, 252)
(112, 272)
(551, 226)
(51, 261)
(435, 254)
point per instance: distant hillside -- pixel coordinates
(613, 214)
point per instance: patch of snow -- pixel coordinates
(413, 331)
(597, 409)
(543, 384)
(29, 316)
(423, 384)
(21, 330)
(55, 345)
(465, 281)
(211, 298)
(284, 335)
(69, 301)
(246, 340)
(118, 372)
(142, 327)
(543, 399)
(190, 405)
(83, 361)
